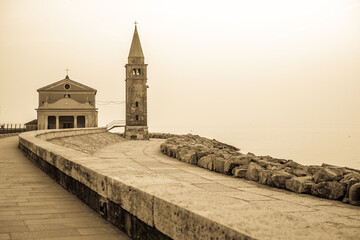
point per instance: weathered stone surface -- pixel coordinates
(353, 176)
(279, 178)
(350, 179)
(300, 184)
(229, 166)
(265, 177)
(206, 162)
(330, 190)
(219, 163)
(253, 171)
(328, 174)
(299, 172)
(312, 169)
(239, 172)
(354, 194)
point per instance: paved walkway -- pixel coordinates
(33, 206)
(321, 218)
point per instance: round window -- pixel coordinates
(67, 86)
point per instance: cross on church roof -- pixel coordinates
(67, 72)
(136, 23)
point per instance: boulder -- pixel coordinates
(229, 166)
(239, 172)
(327, 174)
(354, 194)
(299, 172)
(330, 190)
(236, 161)
(219, 163)
(253, 172)
(353, 176)
(265, 177)
(300, 184)
(350, 179)
(206, 162)
(279, 178)
(312, 169)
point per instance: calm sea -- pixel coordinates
(337, 146)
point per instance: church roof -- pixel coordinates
(135, 49)
(55, 86)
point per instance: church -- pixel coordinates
(66, 104)
(70, 104)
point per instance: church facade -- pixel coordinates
(136, 92)
(66, 104)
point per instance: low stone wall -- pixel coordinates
(141, 212)
(97, 190)
(326, 181)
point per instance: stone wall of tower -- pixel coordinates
(136, 95)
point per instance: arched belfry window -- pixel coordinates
(137, 117)
(136, 71)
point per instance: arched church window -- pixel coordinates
(137, 117)
(138, 71)
(137, 104)
(134, 71)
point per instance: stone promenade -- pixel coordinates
(33, 206)
(259, 211)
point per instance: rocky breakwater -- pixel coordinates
(326, 181)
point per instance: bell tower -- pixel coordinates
(136, 92)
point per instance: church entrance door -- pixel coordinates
(66, 122)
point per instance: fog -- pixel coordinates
(212, 64)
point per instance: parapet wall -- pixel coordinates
(141, 213)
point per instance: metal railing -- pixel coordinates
(115, 123)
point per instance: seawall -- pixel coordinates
(129, 187)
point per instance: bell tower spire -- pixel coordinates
(136, 54)
(136, 92)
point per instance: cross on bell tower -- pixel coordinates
(136, 92)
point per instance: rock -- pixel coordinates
(190, 157)
(265, 177)
(219, 163)
(353, 176)
(328, 174)
(354, 194)
(239, 172)
(350, 179)
(330, 190)
(279, 178)
(312, 169)
(253, 172)
(206, 162)
(299, 172)
(241, 159)
(236, 161)
(293, 164)
(300, 184)
(229, 166)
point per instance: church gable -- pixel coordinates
(66, 85)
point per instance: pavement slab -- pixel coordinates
(34, 206)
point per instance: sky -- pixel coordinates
(237, 64)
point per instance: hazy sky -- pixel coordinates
(257, 63)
